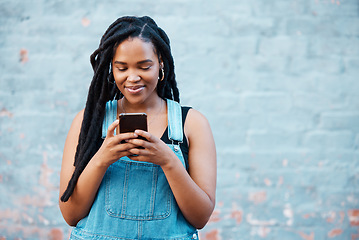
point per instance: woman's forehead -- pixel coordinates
(135, 46)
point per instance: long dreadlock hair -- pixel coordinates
(102, 88)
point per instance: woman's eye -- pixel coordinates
(146, 68)
(121, 69)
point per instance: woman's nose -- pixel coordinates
(133, 77)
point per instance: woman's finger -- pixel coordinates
(140, 143)
(144, 134)
(111, 128)
(125, 137)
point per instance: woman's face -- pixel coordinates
(136, 67)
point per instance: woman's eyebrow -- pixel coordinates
(140, 62)
(145, 61)
(119, 62)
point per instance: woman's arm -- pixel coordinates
(194, 192)
(195, 195)
(80, 202)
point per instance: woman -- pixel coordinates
(120, 186)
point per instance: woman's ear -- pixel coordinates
(161, 62)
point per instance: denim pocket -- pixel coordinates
(137, 191)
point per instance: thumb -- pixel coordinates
(111, 128)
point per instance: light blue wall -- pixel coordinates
(278, 81)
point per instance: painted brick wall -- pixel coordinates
(278, 81)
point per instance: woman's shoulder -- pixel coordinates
(195, 115)
(77, 121)
(79, 116)
(196, 121)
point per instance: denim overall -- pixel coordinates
(134, 200)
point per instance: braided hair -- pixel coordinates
(102, 88)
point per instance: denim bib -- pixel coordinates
(134, 200)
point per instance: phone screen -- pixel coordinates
(129, 122)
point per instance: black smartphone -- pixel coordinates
(129, 122)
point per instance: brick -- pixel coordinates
(343, 85)
(326, 139)
(350, 66)
(298, 65)
(340, 121)
(311, 102)
(283, 46)
(262, 64)
(279, 8)
(291, 122)
(334, 8)
(341, 46)
(267, 102)
(308, 26)
(265, 26)
(270, 140)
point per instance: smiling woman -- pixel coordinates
(136, 70)
(159, 186)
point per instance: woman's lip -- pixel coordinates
(134, 89)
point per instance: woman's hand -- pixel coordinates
(153, 150)
(80, 202)
(112, 147)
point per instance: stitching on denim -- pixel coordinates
(87, 234)
(174, 121)
(107, 192)
(154, 187)
(83, 232)
(139, 229)
(125, 190)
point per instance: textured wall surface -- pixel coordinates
(278, 81)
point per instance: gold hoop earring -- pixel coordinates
(163, 75)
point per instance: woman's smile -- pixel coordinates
(135, 89)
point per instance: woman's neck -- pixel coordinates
(149, 107)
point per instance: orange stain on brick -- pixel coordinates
(342, 216)
(354, 217)
(258, 197)
(24, 55)
(5, 113)
(355, 236)
(280, 180)
(335, 232)
(85, 22)
(263, 231)
(267, 182)
(215, 216)
(46, 173)
(331, 217)
(237, 214)
(285, 162)
(307, 237)
(56, 234)
(212, 235)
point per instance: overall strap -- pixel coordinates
(174, 114)
(110, 116)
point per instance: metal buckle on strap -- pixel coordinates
(176, 145)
